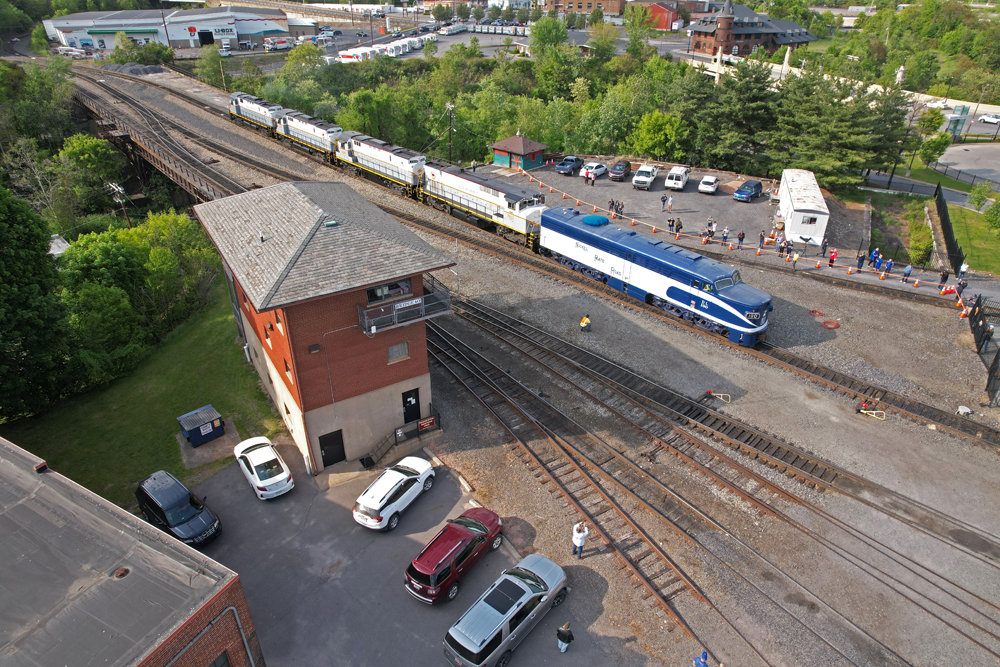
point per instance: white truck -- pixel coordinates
(644, 177)
(277, 44)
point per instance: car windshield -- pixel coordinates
(642, 173)
(403, 470)
(621, 165)
(268, 469)
(534, 583)
(470, 523)
(184, 512)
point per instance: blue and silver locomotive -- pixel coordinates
(682, 282)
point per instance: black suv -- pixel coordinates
(171, 507)
(621, 170)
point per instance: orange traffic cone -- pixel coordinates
(787, 258)
(959, 304)
(654, 228)
(564, 195)
(612, 216)
(678, 237)
(730, 246)
(963, 314)
(817, 263)
(542, 185)
(633, 223)
(551, 190)
(767, 241)
(850, 270)
(531, 179)
(758, 252)
(578, 203)
(916, 283)
(882, 276)
(703, 240)
(595, 209)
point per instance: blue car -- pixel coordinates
(748, 191)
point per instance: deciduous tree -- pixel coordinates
(638, 27)
(933, 147)
(547, 32)
(661, 137)
(463, 12)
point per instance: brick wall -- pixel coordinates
(274, 340)
(357, 364)
(224, 635)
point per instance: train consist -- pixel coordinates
(679, 281)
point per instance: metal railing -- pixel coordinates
(406, 311)
(402, 434)
(962, 176)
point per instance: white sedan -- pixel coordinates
(938, 104)
(594, 169)
(268, 474)
(709, 184)
(990, 118)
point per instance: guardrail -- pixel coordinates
(402, 434)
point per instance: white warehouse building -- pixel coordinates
(187, 28)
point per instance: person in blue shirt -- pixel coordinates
(878, 263)
(906, 272)
(872, 257)
(888, 266)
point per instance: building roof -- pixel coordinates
(746, 22)
(518, 145)
(319, 239)
(804, 190)
(61, 546)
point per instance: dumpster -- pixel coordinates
(201, 425)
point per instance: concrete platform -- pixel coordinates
(213, 450)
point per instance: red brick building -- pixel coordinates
(663, 14)
(739, 31)
(608, 7)
(86, 583)
(328, 294)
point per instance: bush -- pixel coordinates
(921, 240)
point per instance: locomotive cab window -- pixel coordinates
(696, 284)
(723, 283)
(389, 291)
(736, 277)
(707, 287)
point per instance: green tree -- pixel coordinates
(570, 19)
(210, 67)
(430, 49)
(930, 121)
(302, 61)
(89, 164)
(553, 13)
(933, 147)
(107, 336)
(39, 40)
(441, 12)
(638, 27)
(252, 79)
(536, 14)
(661, 137)
(603, 41)
(463, 12)
(547, 32)
(523, 14)
(507, 14)
(596, 16)
(921, 70)
(33, 341)
(887, 120)
(478, 13)
(978, 197)
(35, 102)
(555, 68)
(494, 12)
(733, 127)
(992, 217)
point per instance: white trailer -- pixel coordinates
(801, 207)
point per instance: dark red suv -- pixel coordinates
(435, 572)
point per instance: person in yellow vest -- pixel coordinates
(585, 323)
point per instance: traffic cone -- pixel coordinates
(758, 252)
(531, 179)
(654, 228)
(633, 223)
(787, 258)
(850, 270)
(730, 246)
(551, 190)
(703, 240)
(542, 185)
(916, 283)
(564, 195)
(817, 263)
(595, 209)
(678, 237)
(578, 203)
(882, 276)
(959, 304)
(767, 241)
(612, 216)
(963, 314)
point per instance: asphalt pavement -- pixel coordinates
(323, 590)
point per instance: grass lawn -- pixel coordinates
(970, 230)
(922, 173)
(109, 440)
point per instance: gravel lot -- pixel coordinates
(919, 350)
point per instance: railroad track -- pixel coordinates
(959, 609)
(600, 481)
(828, 377)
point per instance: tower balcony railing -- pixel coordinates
(405, 311)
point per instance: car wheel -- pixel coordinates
(428, 483)
(497, 541)
(504, 660)
(392, 523)
(452, 591)
(559, 598)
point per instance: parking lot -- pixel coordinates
(324, 590)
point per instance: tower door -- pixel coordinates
(331, 446)
(411, 406)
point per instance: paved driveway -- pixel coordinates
(323, 590)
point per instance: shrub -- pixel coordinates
(921, 240)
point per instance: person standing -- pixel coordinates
(580, 532)
(959, 288)
(621, 207)
(760, 244)
(670, 225)
(795, 258)
(833, 257)
(888, 266)
(564, 636)
(906, 273)
(670, 204)
(725, 235)
(987, 337)
(663, 202)
(944, 279)
(861, 262)
(823, 247)
(878, 263)
(739, 240)
(871, 257)
(962, 269)
(611, 206)
(680, 226)
(593, 180)
(473, 166)
(585, 323)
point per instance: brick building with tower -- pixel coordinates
(328, 295)
(85, 583)
(737, 30)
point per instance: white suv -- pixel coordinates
(644, 177)
(392, 492)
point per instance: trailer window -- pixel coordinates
(809, 220)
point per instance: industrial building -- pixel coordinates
(187, 28)
(737, 30)
(328, 295)
(85, 583)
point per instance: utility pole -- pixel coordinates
(451, 125)
(222, 69)
(118, 195)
